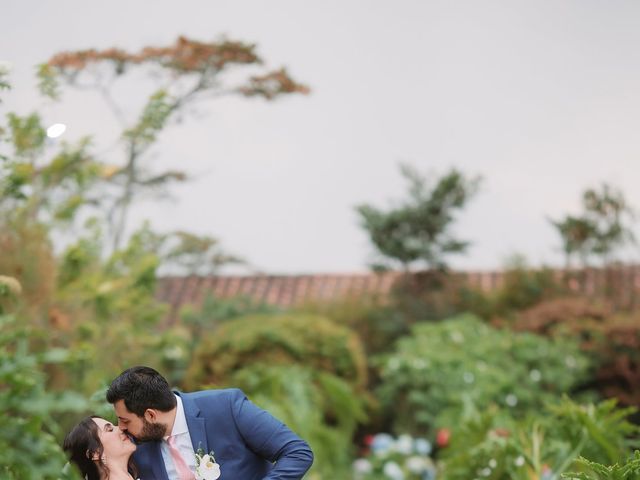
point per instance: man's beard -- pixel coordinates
(151, 431)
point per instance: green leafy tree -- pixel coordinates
(419, 229)
(108, 305)
(42, 188)
(40, 183)
(603, 227)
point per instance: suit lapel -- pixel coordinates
(157, 462)
(195, 423)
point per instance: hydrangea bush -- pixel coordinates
(435, 374)
(401, 458)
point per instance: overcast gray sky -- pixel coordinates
(541, 98)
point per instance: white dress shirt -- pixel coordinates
(183, 442)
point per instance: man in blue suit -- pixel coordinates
(173, 427)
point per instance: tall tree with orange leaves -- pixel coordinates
(187, 72)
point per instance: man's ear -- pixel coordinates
(150, 415)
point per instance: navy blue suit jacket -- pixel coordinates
(247, 442)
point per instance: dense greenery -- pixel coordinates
(322, 408)
(278, 340)
(28, 438)
(442, 369)
(595, 471)
(542, 445)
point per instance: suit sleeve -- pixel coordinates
(271, 439)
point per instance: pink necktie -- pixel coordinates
(181, 466)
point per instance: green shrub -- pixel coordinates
(630, 470)
(613, 340)
(441, 368)
(493, 444)
(377, 322)
(215, 310)
(566, 315)
(195, 319)
(524, 287)
(277, 340)
(437, 295)
(618, 374)
(427, 295)
(320, 407)
(28, 446)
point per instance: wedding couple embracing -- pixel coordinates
(169, 435)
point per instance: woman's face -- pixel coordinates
(114, 442)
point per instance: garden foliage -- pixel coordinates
(492, 444)
(29, 449)
(443, 368)
(278, 340)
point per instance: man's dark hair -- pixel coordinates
(142, 388)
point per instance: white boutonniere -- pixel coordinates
(206, 466)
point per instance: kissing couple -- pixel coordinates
(162, 434)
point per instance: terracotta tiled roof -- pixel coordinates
(278, 290)
(292, 290)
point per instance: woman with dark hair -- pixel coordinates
(100, 450)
